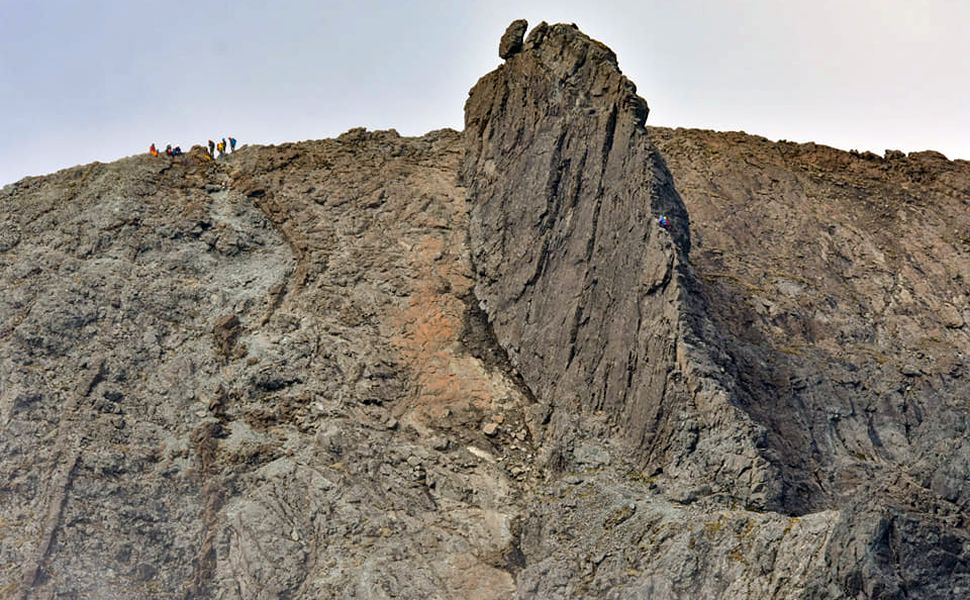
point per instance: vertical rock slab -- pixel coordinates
(585, 292)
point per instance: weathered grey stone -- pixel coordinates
(589, 454)
(266, 377)
(197, 391)
(910, 371)
(844, 393)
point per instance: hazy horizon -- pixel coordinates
(104, 79)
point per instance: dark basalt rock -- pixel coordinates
(604, 317)
(590, 298)
(511, 42)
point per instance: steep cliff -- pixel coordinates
(472, 365)
(796, 374)
(591, 299)
(840, 282)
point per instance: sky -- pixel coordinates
(101, 79)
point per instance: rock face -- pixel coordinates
(852, 339)
(590, 298)
(336, 369)
(601, 313)
(268, 389)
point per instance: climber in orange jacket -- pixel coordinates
(152, 150)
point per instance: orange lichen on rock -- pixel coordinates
(427, 332)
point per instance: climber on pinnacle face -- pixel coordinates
(664, 222)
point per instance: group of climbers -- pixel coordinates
(223, 147)
(169, 150)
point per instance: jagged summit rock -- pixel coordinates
(473, 365)
(511, 41)
(602, 313)
(565, 189)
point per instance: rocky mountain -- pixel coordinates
(472, 365)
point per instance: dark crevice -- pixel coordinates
(479, 340)
(610, 135)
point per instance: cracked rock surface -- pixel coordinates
(255, 379)
(806, 373)
(472, 366)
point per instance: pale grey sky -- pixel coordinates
(85, 80)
